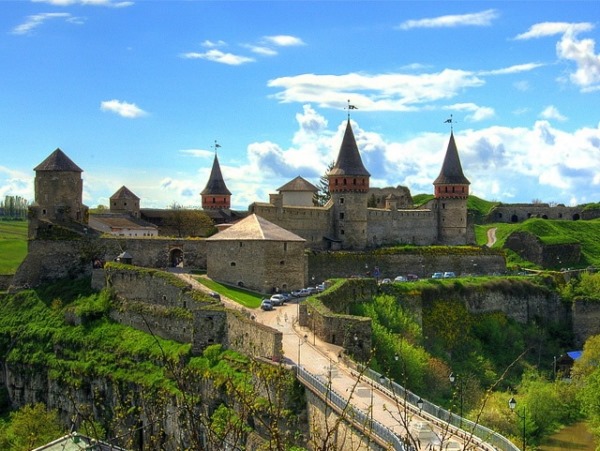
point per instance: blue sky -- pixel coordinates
(137, 93)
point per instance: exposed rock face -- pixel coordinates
(531, 248)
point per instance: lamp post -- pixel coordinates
(453, 378)
(512, 403)
(420, 404)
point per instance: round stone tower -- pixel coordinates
(216, 196)
(451, 190)
(349, 187)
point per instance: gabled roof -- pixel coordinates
(298, 184)
(349, 161)
(216, 184)
(255, 228)
(119, 221)
(124, 193)
(58, 161)
(451, 173)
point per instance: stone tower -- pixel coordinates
(125, 202)
(58, 192)
(451, 190)
(349, 187)
(216, 196)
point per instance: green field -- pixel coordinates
(13, 245)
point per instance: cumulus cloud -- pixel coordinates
(283, 40)
(15, 183)
(123, 109)
(551, 112)
(383, 92)
(480, 19)
(37, 20)
(218, 56)
(571, 48)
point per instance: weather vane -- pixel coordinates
(216, 146)
(450, 121)
(350, 107)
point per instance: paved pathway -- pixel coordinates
(301, 346)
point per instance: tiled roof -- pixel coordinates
(254, 227)
(298, 184)
(216, 184)
(124, 193)
(58, 161)
(451, 173)
(348, 160)
(117, 221)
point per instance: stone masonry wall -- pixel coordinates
(326, 265)
(393, 227)
(249, 337)
(586, 320)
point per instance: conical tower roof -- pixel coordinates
(216, 184)
(58, 161)
(349, 161)
(451, 173)
(124, 193)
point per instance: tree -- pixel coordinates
(323, 195)
(29, 427)
(188, 222)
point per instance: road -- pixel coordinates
(302, 347)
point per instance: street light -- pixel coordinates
(420, 404)
(453, 378)
(512, 403)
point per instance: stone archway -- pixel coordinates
(176, 257)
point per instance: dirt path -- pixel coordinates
(491, 236)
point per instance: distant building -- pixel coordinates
(122, 225)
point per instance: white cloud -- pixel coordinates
(200, 153)
(37, 20)
(218, 56)
(212, 44)
(15, 183)
(261, 50)
(109, 3)
(571, 48)
(385, 92)
(551, 112)
(283, 40)
(540, 30)
(480, 19)
(124, 109)
(517, 68)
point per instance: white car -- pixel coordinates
(400, 279)
(277, 299)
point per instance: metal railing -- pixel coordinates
(486, 435)
(357, 416)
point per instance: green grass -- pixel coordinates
(13, 245)
(586, 233)
(239, 295)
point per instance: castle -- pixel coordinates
(345, 222)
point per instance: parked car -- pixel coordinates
(296, 293)
(304, 292)
(321, 287)
(266, 304)
(400, 279)
(385, 281)
(449, 275)
(437, 275)
(277, 299)
(412, 277)
(215, 295)
(312, 290)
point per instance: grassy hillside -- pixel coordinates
(13, 245)
(587, 233)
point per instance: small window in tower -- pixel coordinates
(336, 181)
(241, 244)
(446, 189)
(341, 200)
(282, 262)
(232, 264)
(344, 181)
(443, 206)
(341, 215)
(342, 232)
(44, 212)
(125, 203)
(354, 181)
(285, 246)
(114, 204)
(463, 189)
(453, 189)
(214, 200)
